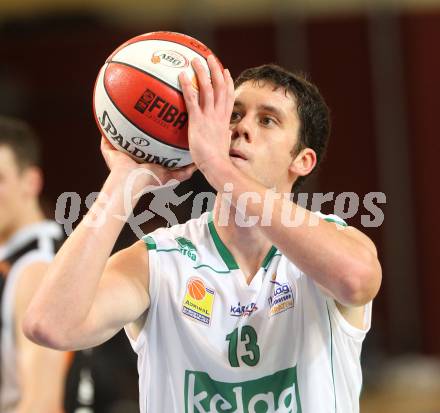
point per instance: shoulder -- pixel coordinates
(42, 229)
(41, 238)
(351, 232)
(29, 280)
(330, 218)
(191, 232)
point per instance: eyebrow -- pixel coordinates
(265, 108)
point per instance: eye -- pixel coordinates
(268, 121)
(235, 117)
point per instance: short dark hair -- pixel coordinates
(22, 140)
(313, 112)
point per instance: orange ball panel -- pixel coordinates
(150, 104)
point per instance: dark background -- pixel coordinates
(379, 72)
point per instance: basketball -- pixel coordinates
(196, 289)
(137, 101)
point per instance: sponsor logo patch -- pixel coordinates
(161, 111)
(276, 393)
(281, 299)
(112, 133)
(137, 140)
(243, 310)
(187, 248)
(169, 58)
(198, 301)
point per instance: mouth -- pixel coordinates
(234, 153)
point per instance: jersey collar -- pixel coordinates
(224, 252)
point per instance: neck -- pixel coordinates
(29, 215)
(246, 243)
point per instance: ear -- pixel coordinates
(32, 181)
(304, 162)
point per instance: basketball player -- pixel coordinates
(237, 311)
(32, 377)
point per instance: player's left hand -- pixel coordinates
(209, 113)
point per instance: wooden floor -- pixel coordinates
(400, 403)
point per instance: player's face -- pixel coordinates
(265, 128)
(12, 190)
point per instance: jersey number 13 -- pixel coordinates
(248, 336)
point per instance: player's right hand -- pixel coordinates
(120, 163)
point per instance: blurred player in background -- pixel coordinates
(32, 377)
(225, 315)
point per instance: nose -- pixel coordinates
(241, 129)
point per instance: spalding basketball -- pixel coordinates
(137, 101)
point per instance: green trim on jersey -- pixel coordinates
(226, 255)
(269, 257)
(213, 269)
(151, 245)
(168, 250)
(331, 352)
(223, 251)
(149, 242)
(336, 221)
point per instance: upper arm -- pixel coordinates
(360, 237)
(122, 295)
(355, 314)
(41, 370)
(371, 260)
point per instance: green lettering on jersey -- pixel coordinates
(276, 393)
(187, 248)
(249, 338)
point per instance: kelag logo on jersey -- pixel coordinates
(276, 393)
(281, 298)
(243, 310)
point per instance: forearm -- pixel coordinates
(42, 375)
(66, 296)
(337, 261)
(40, 404)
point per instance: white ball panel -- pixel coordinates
(163, 59)
(125, 136)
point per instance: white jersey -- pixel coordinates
(213, 343)
(34, 243)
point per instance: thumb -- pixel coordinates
(184, 173)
